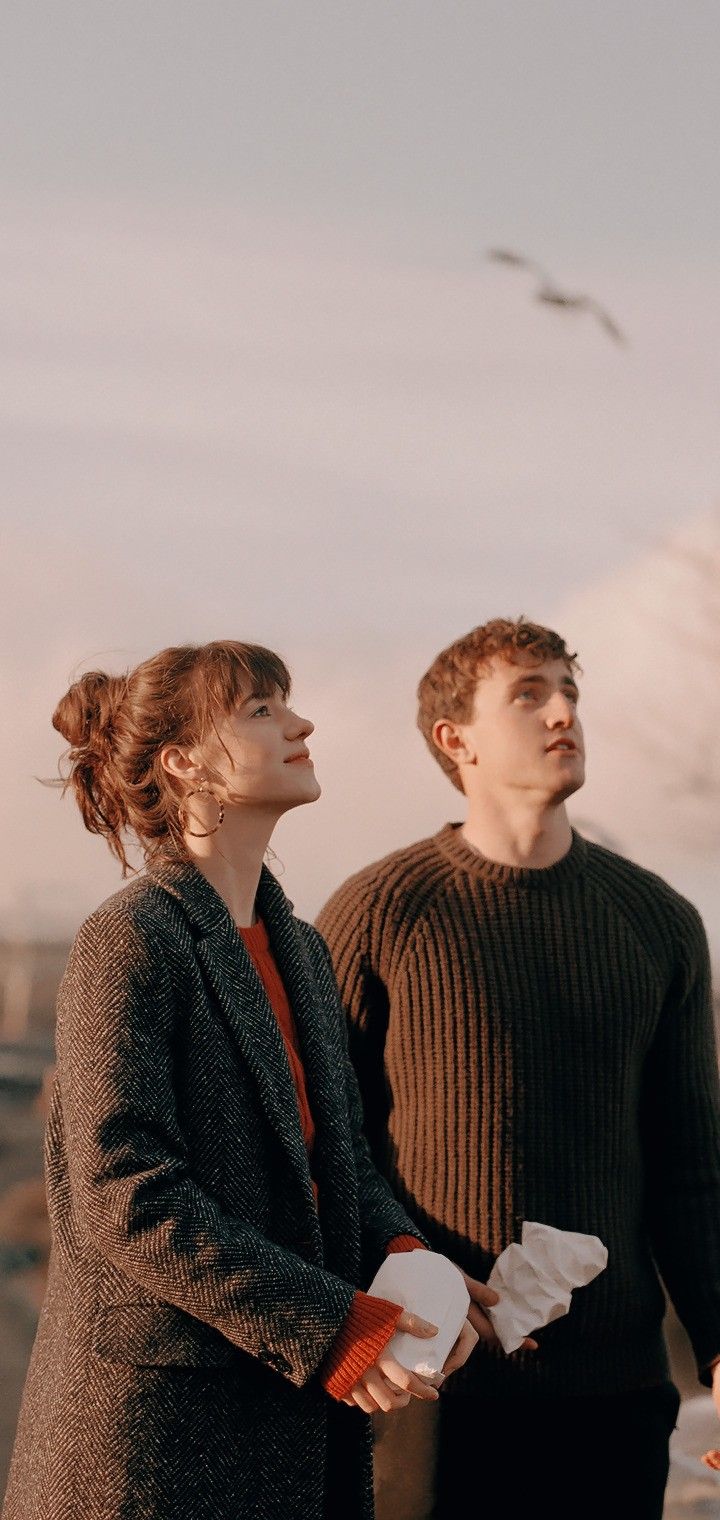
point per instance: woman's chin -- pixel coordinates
(308, 793)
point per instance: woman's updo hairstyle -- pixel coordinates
(116, 727)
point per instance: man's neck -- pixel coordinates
(528, 837)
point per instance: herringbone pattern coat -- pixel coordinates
(194, 1288)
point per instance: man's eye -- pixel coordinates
(263, 711)
(527, 693)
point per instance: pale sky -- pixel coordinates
(258, 381)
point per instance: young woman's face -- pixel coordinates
(260, 755)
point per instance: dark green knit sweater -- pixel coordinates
(538, 1044)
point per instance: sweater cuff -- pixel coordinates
(366, 1331)
(404, 1243)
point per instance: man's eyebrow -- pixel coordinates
(528, 679)
(535, 679)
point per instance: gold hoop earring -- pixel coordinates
(200, 791)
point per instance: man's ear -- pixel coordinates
(451, 738)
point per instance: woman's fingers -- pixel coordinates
(712, 1459)
(412, 1324)
(406, 1381)
(373, 1391)
(385, 1394)
(362, 1400)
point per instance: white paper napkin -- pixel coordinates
(427, 1284)
(535, 1280)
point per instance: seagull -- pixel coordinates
(551, 295)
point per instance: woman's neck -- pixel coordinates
(232, 860)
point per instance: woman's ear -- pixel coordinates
(183, 764)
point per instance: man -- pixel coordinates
(531, 1024)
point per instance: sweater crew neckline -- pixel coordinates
(255, 936)
(453, 845)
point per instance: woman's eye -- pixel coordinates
(263, 711)
(527, 693)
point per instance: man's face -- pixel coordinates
(524, 732)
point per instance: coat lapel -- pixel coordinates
(334, 1165)
(326, 1088)
(244, 1005)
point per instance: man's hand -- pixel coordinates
(712, 1458)
(388, 1385)
(464, 1345)
(482, 1298)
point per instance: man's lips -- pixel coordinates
(293, 759)
(565, 746)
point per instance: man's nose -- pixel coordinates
(560, 712)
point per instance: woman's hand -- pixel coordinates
(387, 1385)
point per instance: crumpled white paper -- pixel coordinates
(430, 1285)
(535, 1279)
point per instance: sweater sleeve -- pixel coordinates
(369, 1327)
(346, 924)
(681, 1134)
(382, 1217)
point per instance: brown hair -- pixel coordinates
(447, 690)
(116, 727)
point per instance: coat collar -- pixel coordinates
(203, 905)
(246, 1009)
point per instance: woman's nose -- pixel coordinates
(302, 726)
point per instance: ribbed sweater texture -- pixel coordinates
(538, 1044)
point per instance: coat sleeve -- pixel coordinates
(681, 1137)
(382, 1217)
(130, 1176)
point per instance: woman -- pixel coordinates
(203, 1350)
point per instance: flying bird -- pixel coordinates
(551, 295)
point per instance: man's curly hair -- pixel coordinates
(447, 690)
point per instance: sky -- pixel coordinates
(259, 380)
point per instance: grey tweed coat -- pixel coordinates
(194, 1288)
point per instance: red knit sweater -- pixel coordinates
(371, 1322)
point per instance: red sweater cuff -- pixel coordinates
(404, 1243)
(365, 1332)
